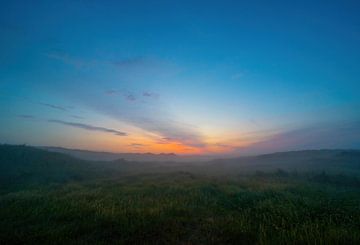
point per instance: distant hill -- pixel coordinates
(24, 165)
(27, 166)
(307, 160)
(110, 156)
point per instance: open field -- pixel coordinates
(50, 198)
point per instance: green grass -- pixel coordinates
(62, 200)
(182, 209)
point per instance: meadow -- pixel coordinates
(51, 198)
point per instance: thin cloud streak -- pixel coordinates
(111, 92)
(88, 127)
(77, 117)
(26, 116)
(67, 59)
(151, 95)
(127, 96)
(130, 97)
(137, 145)
(56, 107)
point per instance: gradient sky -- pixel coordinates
(189, 77)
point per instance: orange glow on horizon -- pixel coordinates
(140, 142)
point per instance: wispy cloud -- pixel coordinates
(184, 135)
(129, 97)
(161, 124)
(56, 107)
(37, 102)
(137, 145)
(150, 95)
(111, 92)
(68, 59)
(26, 116)
(153, 117)
(223, 145)
(77, 117)
(88, 127)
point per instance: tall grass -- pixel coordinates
(183, 209)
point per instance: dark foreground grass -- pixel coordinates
(181, 208)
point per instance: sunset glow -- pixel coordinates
(185, 78)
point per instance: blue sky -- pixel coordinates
(181, 76)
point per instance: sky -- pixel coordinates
(186, 77)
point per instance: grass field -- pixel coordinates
(174, 206)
